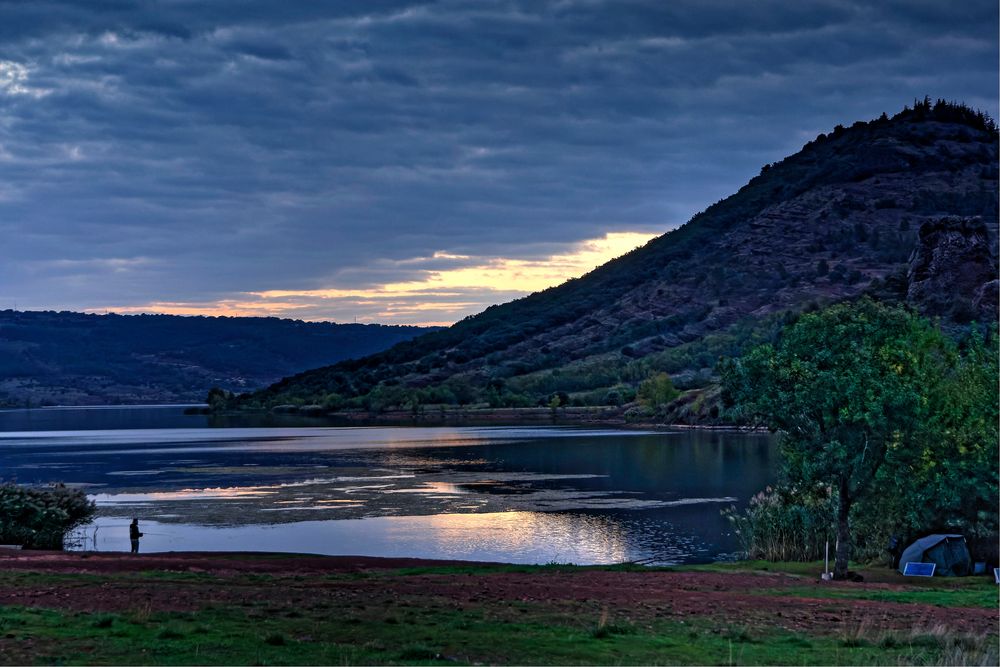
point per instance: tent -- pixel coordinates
(947, 552)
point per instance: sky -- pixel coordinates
(415, 162)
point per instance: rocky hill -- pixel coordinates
(69, 358)
(901, 208)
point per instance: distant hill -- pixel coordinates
(901, 208)
(66, 358)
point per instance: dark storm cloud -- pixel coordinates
(190, 152)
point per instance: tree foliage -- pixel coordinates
(657, 391)
(67, 357)
(40, 518)
(947, 478)
(867, 398)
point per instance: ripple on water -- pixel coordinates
(658, 492)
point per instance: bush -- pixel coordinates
(41, 518)
(219, 399)
(657, 391)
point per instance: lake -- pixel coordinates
(508, 494)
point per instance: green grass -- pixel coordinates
(54, 578)
(985, 595)
(434, 635)
(758, 566)
(427, 629)
(812, 570)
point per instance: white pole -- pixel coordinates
(826, 561)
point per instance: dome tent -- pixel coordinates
(947, 552)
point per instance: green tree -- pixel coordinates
(656, 391)
(947, 478)
(218, 399)
(40, 518)
(332, 401)
(845, 389)
(463, 390)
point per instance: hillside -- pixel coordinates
(77, 359)
(890, 207)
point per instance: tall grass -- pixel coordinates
(935, 645)
(785, 523)
(791, 524)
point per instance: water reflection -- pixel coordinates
(589, 495)
(519, 537)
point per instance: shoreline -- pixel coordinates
(290, 562)
(602, 416)
(233, 560)
(584, 416)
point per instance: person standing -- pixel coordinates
(134, 535)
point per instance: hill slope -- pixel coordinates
(840, 218)
(75, 359)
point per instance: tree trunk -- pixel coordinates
(843, 532)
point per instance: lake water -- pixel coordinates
(510, 494)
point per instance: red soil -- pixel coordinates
(302, 583)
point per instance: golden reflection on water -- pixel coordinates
(217, 493)
(589, 538)
(432, 488)
(235, 492)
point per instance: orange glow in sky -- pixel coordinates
(437, 297)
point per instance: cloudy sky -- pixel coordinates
(414, 162)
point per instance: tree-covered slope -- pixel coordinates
(841, 217)
(73, 358)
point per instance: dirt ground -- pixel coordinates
(305, 582)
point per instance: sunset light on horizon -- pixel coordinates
(461, 285)
(412, 163)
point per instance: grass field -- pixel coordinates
(475, 614)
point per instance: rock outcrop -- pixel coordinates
(953, 271)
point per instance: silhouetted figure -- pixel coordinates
(134, 535)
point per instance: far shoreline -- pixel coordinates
(587, 416)
(612, 417)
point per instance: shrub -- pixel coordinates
(40, 518)
(219, 399)
(657, 390)
(613, 397)
(332, 401)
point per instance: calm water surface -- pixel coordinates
(524, 494)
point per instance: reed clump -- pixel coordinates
(785, 523)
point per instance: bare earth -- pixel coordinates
(303, 581)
